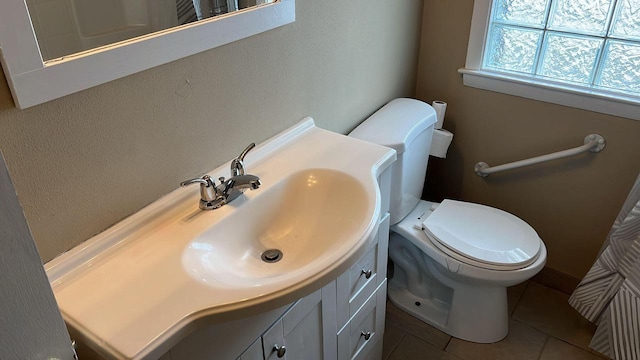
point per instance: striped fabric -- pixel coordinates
(609, 295)
(186, 11)
(194, 10)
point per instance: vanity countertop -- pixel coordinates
(133, 291)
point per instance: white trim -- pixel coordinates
(543, 90)
(33, 81)
(478, 33)
(552, 93)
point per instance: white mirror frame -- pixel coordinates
(34, 81)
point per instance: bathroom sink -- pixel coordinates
(299, 224)
(141, 286)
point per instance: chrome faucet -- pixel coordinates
(237, 164)
(213, 196)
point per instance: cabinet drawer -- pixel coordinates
(357, 284)
(363, 275)
(365, 328)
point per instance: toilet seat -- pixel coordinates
(482, 236)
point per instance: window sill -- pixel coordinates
(593, 100)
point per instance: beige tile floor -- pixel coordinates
(542, 327)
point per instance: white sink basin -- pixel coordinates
(138, 288)
(309, 217)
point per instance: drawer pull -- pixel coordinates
(367, 273)
(366, 335)
(280, 350)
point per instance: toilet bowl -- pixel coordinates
(457, 295)
(452, 261)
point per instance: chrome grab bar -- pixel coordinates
(593, 143)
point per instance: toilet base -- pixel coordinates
(431, 311)
(474, 315)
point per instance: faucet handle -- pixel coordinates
(246, 150)
(237, 164)
(204, 181)
(207, 187)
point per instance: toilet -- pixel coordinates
(452, 261)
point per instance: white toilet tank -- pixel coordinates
(405, 125)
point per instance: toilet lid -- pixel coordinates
(482, 235)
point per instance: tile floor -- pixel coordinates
(542, 327)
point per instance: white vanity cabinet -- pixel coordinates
(345, 319)
(362, 292)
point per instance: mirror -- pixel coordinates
(36, 76)
(65, 27)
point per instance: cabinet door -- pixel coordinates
(254, 352)
(304, 331)
(302, 328)
(273, 341)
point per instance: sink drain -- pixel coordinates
(271, 255)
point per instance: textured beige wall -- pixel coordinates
(571, 202)
(86, 161)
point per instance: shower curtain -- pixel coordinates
(186, 11)
(193, 10)
(609, 295)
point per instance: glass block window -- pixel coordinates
(585, 43)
